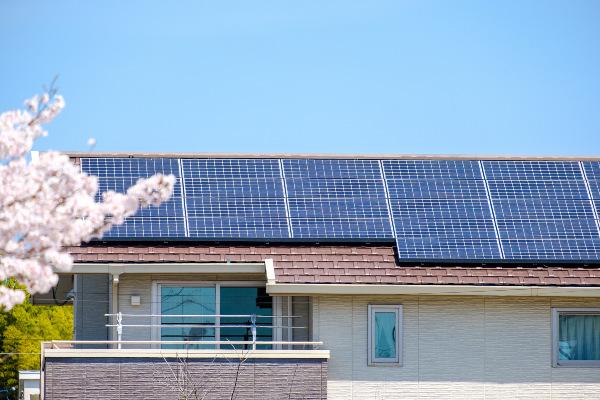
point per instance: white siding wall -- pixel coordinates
(454, 348)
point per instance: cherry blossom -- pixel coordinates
(47, 203)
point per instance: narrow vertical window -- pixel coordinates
(576, 337)
(385, 334)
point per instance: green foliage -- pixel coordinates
(21, 331)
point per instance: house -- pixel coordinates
(340, 277)
(29, 385)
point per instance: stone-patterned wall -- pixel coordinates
(157, 379)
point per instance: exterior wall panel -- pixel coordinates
(459, 347)
(158, 379)
(91, 303)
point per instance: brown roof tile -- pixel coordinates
(345, 264)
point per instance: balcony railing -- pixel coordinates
(255, 322)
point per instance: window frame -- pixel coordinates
(556, 362)
(389, 362)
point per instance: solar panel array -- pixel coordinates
(433, 209)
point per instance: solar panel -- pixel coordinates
(235, 198)
(118, 174)
(440, 210)
(434, 209)
(592, 169)
(543, 209)
(333, 199)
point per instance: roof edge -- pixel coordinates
(432, 290)
(76, 154)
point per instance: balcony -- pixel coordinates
(185, 369)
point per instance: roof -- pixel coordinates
(335, 156)
(346, 264)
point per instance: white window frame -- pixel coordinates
(556, 362)
(156, 303)
(372, 360)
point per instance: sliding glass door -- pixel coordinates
(187, 300)
(210, 307)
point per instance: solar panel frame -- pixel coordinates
(439, 249)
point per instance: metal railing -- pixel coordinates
(253, 325)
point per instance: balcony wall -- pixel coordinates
(197, 374)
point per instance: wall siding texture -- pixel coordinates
(160, 379)
(91, 303)
(453, 348)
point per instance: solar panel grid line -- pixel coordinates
(387, 198)
(491, 207)
(286, 199)
(591, 197)
(183, 199)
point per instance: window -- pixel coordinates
(576, 337)
(213, 302)
(385, 334)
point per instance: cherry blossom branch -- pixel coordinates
(48, 203)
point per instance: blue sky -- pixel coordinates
(474, 77)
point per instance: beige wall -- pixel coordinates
(454, 348)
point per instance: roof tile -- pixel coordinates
(344, 264)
